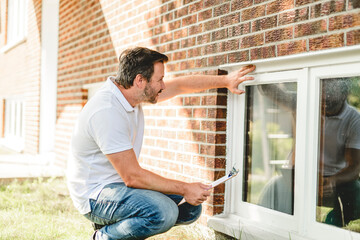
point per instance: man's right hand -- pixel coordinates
(196, 193)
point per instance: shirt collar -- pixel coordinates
(118, 94)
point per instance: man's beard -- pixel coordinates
(150, 95)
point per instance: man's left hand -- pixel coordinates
(237, 77)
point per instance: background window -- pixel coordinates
(16, 22)
(270, 142)
(339, 158)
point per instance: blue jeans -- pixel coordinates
(130, 213)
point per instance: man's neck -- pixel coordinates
(127, 93)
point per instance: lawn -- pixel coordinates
(41, 209)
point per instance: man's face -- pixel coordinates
(156, 84)
(335, 97)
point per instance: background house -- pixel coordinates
(55, 53)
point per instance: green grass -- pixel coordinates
(41, 209)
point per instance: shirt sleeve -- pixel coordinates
(354, 136)
(110, 129)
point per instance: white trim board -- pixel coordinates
(303, 60)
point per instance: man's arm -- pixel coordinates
(135, 176)
(197, 83)
(347, 174)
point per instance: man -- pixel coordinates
(105, 180)
(341, 153)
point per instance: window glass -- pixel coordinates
(16, 22)
(270, 140)
(339, 153)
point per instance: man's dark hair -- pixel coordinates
(138, 60)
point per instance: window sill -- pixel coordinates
(12, 45)
(13, 143)
(240, 228)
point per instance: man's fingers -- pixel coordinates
(245, 78)
(245, 70)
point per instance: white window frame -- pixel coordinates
(92, 88)
(16, 23)
(241, 219)
(14, 124)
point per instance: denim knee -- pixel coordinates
(165, 216)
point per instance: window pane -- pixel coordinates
(270, 140)
(16, 20)
(339, 153)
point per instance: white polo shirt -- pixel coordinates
(107, 124)
(341, 132)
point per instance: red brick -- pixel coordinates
(220, 163)
(239, 56)
(231, 45)
(353, 37)
(252, 41)
(199, 137)
(220, 150)
(210, 3)
(181, 12)
(192, 101)
(240, 4)
(188, 20)
(222, 10)
(189, 64)
(344, 21)
(195, 29)
(326, 42)
(278, 6)
(217, 60)
(327, 8)
(253, 12)
(179, 55)
(353, 4)
(201, 63)
(311, 28)
(264, 23)
(278, 35)
(211, 24)
(207, 149)
(181, 33)
(188, 42)
(294, 16)
(304, 2)
(230, 19)
(263, 52)
(204, 15)
(239, 30)
(219, 34)
(291, 48)
(208, 100)
(199, 113)
(221, 100)
(205, 38)
(195, 7)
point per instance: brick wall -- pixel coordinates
(20, 71)
(186, 136)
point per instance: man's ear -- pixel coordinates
(140, 81)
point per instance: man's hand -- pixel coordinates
(329, 186)
(235, 78)
(196, 193)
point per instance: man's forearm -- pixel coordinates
(145, 179)
(197, 83)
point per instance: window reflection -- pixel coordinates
(339, 153)
(270, 140)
